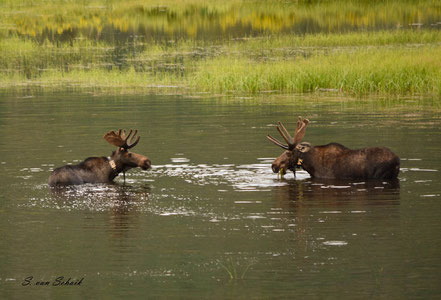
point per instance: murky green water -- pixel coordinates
(211, 220)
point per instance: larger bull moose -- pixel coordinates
(333, 160)
(103, 169)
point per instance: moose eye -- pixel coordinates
(129, 155)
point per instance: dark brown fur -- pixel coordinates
(333, 160)
(98, 169)
(337, 161)
(103, 169)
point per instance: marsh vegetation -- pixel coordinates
(233, 47)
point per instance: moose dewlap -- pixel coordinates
(333, 160)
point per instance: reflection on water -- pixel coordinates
(211, 218)
(98, 197)
(251, 177)
(136, 192)
(339, 192)
(136, 21)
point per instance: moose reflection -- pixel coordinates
(323, 192)
(333, 160)
(103, 169)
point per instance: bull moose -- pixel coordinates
(333, 160)
(103, 169)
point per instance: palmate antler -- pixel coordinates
(298, 135)
(121, 139)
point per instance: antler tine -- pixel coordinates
(133, 140)
(300, 132)
(285, 134)
(277, 142)
(126, 136)
(299, 124)
(134, 134)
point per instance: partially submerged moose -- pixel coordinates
(333, 160)
(103, 169)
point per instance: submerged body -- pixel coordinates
(102, 169)
(337, 161)
(91, 170)
(333, 161)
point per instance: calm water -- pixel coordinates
(210, 219)
(138, 22)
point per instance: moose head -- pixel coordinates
(123, 158)
(290, 159)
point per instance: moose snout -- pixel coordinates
(279, 167)
(146, 164)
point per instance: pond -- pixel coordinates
(210, 219)
(135, 21)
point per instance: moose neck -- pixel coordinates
(115, 167)
(306, 161)
(319, 161)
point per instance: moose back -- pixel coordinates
(333, 160)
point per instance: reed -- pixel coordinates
(401, 62)
(403, 71)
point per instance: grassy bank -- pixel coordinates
(375, 71)
(354, 47)
(387, 62)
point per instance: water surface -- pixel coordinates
(136, 22)
(210, 219)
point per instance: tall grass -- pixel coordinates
(350, 39)
(31, 59)
(387, 62)
(201, 46)
(380, 71)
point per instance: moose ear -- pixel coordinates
(303, 147)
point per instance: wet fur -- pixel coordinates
(98, 169)
(337, 161)
(91, 170)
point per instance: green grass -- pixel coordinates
(133, 46)
(402, 71)
(389, 62)
(350, 39)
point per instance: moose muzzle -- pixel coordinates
(146, 164)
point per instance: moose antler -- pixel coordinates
(292, 142)
(277, 142)
(300, 130)
(122, 139)
(285, 134)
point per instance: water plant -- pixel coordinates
(234, 269)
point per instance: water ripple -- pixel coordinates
(246, 177)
